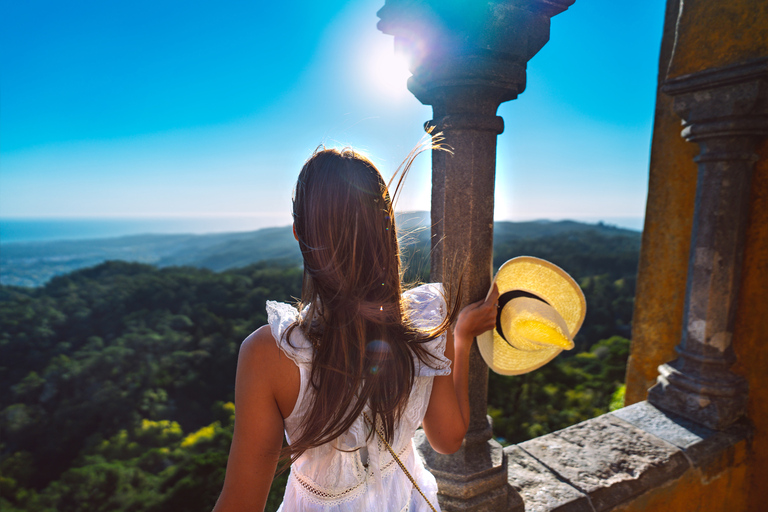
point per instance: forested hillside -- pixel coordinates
(34, 263)
(119, 378)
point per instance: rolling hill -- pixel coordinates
(32, 264)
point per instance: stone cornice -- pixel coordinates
(717, 77)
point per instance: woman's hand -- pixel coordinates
(475, 319)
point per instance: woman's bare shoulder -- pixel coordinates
(260, 343)
(260, 355)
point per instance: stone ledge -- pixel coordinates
(607, 461)
(539, 487)
(699, 444)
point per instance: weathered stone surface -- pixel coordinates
(709, 449)
(460, 467)
(469, 43)
(699, 444)
(608, 459)
(704, 41)
(675, 430)
(495, 499)
(541, 489)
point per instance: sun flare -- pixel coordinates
(388, 70)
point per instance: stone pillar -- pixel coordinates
(468, 58)
(725, 111)
(462, 248)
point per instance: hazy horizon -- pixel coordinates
(44, 229)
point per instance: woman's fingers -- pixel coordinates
(489, 306)
(480, 316)
(493, 294)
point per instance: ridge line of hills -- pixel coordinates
(32, 264)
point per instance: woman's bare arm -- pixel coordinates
(447, 417)
(263, 376)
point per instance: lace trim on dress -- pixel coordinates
(316, 494)
(387, 468)
(320, 495)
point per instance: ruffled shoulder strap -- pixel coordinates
(427, 308)
(280, 317)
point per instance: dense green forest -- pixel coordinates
(119, 378)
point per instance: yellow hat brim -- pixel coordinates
(553, 285)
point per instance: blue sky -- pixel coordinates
(192, 109)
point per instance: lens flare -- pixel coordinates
(377, 352)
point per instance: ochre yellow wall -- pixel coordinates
(719, 486)
(716, 33)
(750, 337)
(663, 269)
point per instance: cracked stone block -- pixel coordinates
(700, 444)
(608, 459)
(675, 430)
(540, 489)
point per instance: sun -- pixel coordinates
(387, 70)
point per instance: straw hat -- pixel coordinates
(541, 308)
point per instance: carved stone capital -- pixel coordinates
(729, 102)
(460, 44)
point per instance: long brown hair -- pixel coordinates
(357, 322)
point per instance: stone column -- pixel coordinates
(725, 111)
(468, 58)
(462, 248)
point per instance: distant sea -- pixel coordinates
(28, 230)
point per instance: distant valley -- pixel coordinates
(32, 264)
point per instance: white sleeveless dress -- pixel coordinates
(332, 477)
